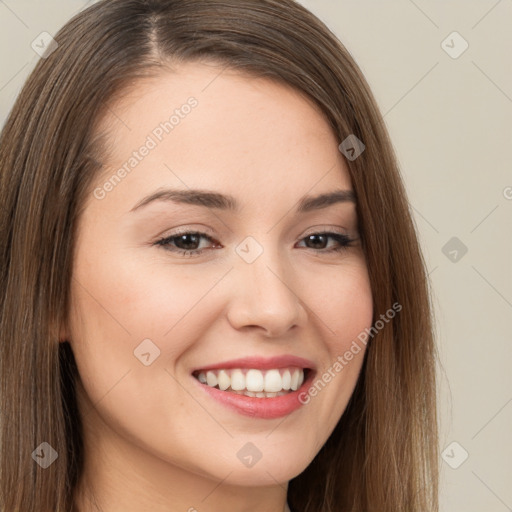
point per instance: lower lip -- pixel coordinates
(266, 408)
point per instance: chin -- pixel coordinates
(276, 468)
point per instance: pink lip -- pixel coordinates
(260, 363)
(265, 408)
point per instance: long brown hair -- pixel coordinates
(382, 455)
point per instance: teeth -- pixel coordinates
(223, 380)
(261, 394)
(287, 379)
(211, 379)
(237, 380)
(295, 381)
(253, 382)
(273, 381)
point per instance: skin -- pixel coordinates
(152, 440)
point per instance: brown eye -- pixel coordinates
(184, 243)
(319, 241)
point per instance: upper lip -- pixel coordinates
(260, 363)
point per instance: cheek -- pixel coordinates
(345, 306)
(137, 298)
(345, 310)
(124, 357)
(122, 313)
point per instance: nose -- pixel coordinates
(264, 296)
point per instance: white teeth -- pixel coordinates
(253, 382)
(287, 379)
(237, 380)
(295, 380)
(211, 379)
(223, 380)
(273, 381)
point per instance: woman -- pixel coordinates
(213, 294)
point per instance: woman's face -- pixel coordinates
(267, 295)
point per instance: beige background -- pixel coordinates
(451, 122)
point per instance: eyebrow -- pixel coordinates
(219, 201)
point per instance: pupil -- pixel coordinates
(183, 241)
(317, 237)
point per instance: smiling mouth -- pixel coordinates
(253, 382)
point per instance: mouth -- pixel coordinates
(254, 382)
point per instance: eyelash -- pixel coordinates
(165, 242)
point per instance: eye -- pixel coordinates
(188, 243)
(185, 243)
(319, 241)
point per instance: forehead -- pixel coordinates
(241, 131)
